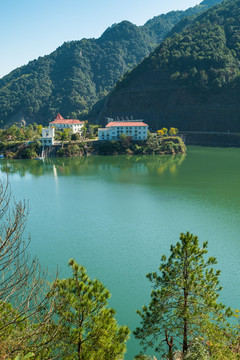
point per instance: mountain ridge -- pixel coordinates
(79, 74)
(191, 80)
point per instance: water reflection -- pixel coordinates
(87, 166)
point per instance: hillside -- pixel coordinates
(192, 80)
(162, 25)
(80, 73)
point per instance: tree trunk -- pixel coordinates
(170, 346)
(185, 320)
(185, 339)
(185, 295)
(79, 350)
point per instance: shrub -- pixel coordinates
(61, 152)
(75, 137)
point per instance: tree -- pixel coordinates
(197, 351)
(22, 357)
(89, 329)
(39, 129)
(144, 357)
(66, 134)
(183, 302)
(25, 310)
(75, 136)
(125, 141)
(160, 133)
(30, 152)
(173, 131)
(165, 131)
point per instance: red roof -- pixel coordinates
(126, 123)
(66, 121)
(60, 120)
(59, 117)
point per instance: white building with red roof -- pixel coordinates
(136, 129)
(60, 124)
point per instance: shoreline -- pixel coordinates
(211, 139)
(168, 145)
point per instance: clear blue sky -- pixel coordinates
(32, 28)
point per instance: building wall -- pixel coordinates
(74, 127)
(114, 132)
(47, 141)
(47, 138)
(48, 132)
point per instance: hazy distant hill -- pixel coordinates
(80, 73)
(192, 80)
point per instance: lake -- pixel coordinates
(117, 215)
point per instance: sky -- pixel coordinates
(33, 28)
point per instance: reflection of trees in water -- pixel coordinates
(161, 164)
(93, 165)
(22, 167)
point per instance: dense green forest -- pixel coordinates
(191, 78)
(206, 53)
(161, 25)
(79, 74)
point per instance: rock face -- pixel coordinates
(191, 81)
(160, 103)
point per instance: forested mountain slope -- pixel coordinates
(80, 73)
(192, 80)
(161, 25)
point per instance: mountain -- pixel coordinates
(79, 74)
(191, 81)
(161, 25)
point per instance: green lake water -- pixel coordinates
(118, 215)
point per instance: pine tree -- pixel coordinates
(183, 303)
(26, 312)
(89, 329)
